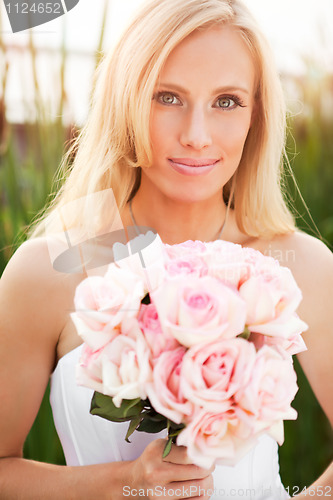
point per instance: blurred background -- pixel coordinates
(46, 80)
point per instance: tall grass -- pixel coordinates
(29, 157)
(309, 441)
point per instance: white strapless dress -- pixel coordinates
(88, 439)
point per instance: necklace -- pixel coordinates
(139, 232)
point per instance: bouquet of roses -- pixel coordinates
(196, 338)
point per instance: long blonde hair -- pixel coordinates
(115, 141)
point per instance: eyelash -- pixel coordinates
(236, 99)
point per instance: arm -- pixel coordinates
(34, 302)
(313, 271)
(31, 318)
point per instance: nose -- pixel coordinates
(195, 130)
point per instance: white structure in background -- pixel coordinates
(294, 28)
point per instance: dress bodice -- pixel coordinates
(87, 439)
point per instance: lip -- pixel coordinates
(192, 166)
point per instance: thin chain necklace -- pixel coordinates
(139, 232)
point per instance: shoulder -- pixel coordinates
(31, 260)
(35, 301)
(304, 245)
(309, 259)
(311, 263)
(32, 290)
(32, 266)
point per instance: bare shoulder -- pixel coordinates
(304, 245)
(311, 263)
(31, 267)
(32, 291)
(35, 301)
(309, 259)
(31, 263)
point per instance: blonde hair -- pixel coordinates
(115, 141)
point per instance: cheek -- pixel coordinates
(232, 136)
(162, 129)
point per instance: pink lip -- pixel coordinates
(192, 162)
(190, 166)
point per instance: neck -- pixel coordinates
(176, 220)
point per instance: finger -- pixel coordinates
(178, 455)
(189, 489)
(179, 472)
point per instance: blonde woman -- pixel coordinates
(187, 128)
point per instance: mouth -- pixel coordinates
(191, 166)
(191, 162)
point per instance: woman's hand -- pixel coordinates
(172, 477)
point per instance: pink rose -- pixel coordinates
(288, 347)
(272, 387)
(150, 325)
(96, 339)
(101, 303)
(226, 262)
(126, 368)
(182, 266)
(199, 310)
(293, 345)
(89, 369)
(164, 391)
(186, 249)
(216, 438)
(143, 256)
(212, 373)
(259, 263)
(272, 299)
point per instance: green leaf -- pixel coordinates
(131, 406)
(155, 417)
(101, 401)
(104, 407)
(175, 427)
(152, 427)
(167, 448)
(132, 426)
(175, 433)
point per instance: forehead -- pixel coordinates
(217, 55)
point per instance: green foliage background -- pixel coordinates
(26, 174)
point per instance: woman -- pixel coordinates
(187, 128)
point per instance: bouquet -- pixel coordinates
(196, 338)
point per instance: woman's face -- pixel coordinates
(201, 114)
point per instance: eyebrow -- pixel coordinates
(219, 90)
